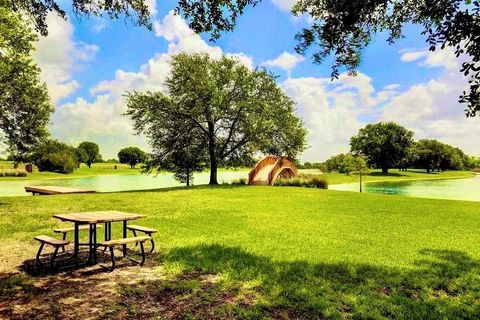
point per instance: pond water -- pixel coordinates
(110, 183)
(456, 189)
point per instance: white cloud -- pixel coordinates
(284, 5)
(56, 55)
(440, 58)
(332, 111)
(102, 120)
(285, 61)
(432, 109)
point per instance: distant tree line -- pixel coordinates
(387, 145)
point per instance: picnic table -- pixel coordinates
(92, 219)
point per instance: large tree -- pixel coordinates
(383, 144)
(25, 107)
(92, 150)
(132, 156)
(230, 110)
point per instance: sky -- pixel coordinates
(89, 64)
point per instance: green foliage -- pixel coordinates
(434, 155)
(383, 144)
(218, 110)
(55, 156)
(132, 156)
(92, 151)
(82, 155)
(304, 180)
(345, 28)
(239, 181)
(25, 107)
(135, 11)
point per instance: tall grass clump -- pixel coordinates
(239, 182)
(304, 180)
(13, 173)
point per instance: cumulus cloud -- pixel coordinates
(285, 61)
(432, 109)
(332, 110)
(58, 55)
(102, 119)
(425, 58)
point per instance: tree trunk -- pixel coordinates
(211, 152)
(361, 190)
(384, 170)
(188, 176)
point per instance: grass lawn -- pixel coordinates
(256, 252)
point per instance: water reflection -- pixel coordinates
(110, 183)
(457, 189)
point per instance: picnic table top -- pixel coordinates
(98, 216)
(55, 190)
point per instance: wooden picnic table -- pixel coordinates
(49, 190)
(92, 219)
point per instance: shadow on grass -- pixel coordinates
(218, 282)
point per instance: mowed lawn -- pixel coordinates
(256, 252)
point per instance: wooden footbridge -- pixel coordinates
(270, 168)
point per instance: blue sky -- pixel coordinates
(89, 64)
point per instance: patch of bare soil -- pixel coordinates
(129, 292)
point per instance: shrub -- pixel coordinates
(55, 156)
(240, 181)
(303, 180)
(13, 173)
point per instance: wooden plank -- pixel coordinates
(72, 229)
(141, 228)
(50, 190)
(98, 216)
(51, 241)
(119, 242)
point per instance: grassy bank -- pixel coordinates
(395, 175)
(253, 252)
(96, 170)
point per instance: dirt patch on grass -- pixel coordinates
(129, 292)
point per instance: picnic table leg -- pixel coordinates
(125, 235)
(94, 243)
(76, 244)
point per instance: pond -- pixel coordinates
(111, 183)
(456, 189)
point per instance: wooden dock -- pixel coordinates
(51, 190)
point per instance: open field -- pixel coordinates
(255, 252)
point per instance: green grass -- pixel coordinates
(279, 252)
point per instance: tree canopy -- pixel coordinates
(55, 156)
(132, 156)
(382, 144)
(339, 28)
(344, 29)
(25, 107)
(92, 151)
(228, 112)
